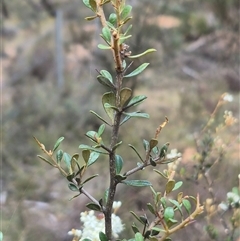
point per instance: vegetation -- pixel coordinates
(214, 144)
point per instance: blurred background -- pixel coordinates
(49, 58)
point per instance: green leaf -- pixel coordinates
(137, 183)
(155, 231)
(164, 149)
(90, 178)
(153, 143)
(151, 208)
(134, 228)
(86, 147)
(107, 75)
(146, 145)
(135, 215)
(59, 156)
(137, 114)
(136, 100)
(176, 203)
(139, 237)
(177, 185)
(86, 239)
(86, 155)
(74, 161)
(107, 105)
(93, 5)
(93, 206)
(58, 142)
(111, 26)
(122, 38)
(112, 18)
(106, 193)
(125, 95)
(67, 159)
(117, 145)
(102, 46)
(99, 117)
(169, 186)
(152, 162)
(106, 34)
(92, 135)
(163, 201)
(171, 222)
(119, 178)
(142, 54)
(70, 177)
(91, 17)
(155, 150)
(119, 163)
(168, 213)
(73, 187)
(103, 237)
(125, 12)
(134, 148)
(125, 119)
(44, 159)
(104, 81)
(187, 205)
(137, 70)
(87, 4)
(128, 29)
(101, 130)
(109, 98)
(160, 173)
(93, 158)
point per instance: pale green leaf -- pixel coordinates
(138, 70)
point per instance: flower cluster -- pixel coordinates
(94, 224)
(175, 155)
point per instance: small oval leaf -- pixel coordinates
(107, 75)
(91, 17)
(106, 34)
(187, 205)
(177, 185)
(67, 159)
(103, 237)
(142, 54)
(151, 208)
(137, 183)
(136, 100)
(59, 156)
(139, 237)
(104, 81)
(58, 142)
(93, 206)
(125, 12)
(125, 95)
(112, 18)
(168, 213)
(119, 163)
(153, 143)
(101, 129)
(169, 186)
(137, 70)
(134, 148)
(109, 98)
(90, 178)
(137, 114)
(73, 187)
(86, 155)
(93, 158)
